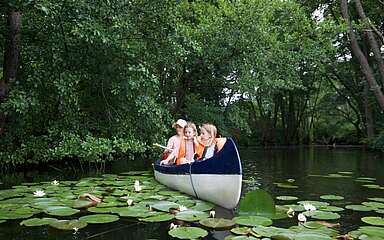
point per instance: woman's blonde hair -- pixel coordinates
(193, 126)
(212, 130)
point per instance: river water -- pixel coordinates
(262, 168)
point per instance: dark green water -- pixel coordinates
(265, 166)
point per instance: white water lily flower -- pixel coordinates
(39, 193)
(182, 208)
(55, 182)
(173, 226)
(301, 217)
(309, 207)
(129, 202)
(212, 213)
(137, 186)
(75, 230)
(290, 212)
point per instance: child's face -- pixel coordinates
(188, 133)
(179, 130)
(204, 134)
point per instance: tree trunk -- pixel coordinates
(371, 39)
(369, 124)
(366, 69)
(11, 57)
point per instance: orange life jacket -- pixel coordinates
(182, 152)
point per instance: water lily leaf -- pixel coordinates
(331, 209)
(360, 208)
(158, 218)
(371, 232)
(380, 211)
(99, 218)
(234, 237)
(217, 223)
(331, 197)
(295, 207)
(18, 213)
(377, 199)
(373, 186)
(345, 172)
(101, 210)
(252, 221)
(68, 224)
(286, 185)
(286, 198)
(80, 203)
(37, 222)
(135, 212)
(271, 231)
(61, 211)
(257, 202)
(312, 225)
(322, 215)
(314, 203)
(3, 221)
(191, 215)
(312, 236)
(373, 204)
(366, 178)
(164, 206)
(188, 232)
(241, 230)
(202, 206)
(378, 221)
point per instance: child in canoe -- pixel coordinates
(186, 150)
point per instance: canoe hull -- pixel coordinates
(217, 180)
(222, 190)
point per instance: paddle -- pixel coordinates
(162, 146)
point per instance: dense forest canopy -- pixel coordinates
(96, 80)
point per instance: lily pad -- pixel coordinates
(234, 237)
(286, 185)
(68, 224)
(377, 221)
(331, 209)
(252, 221)
(286, 198)
(188, 232)
(202, 206)
(322, 215)
(37, 222)
(271, 231)
(314, 203)
(164, 206)
(241, 230)
(191, 215)
(79, 203)
(61, 211)
(312, 236)
(158, 218)
(377, 199)
(360, 208)
(99, 218)
(332, 197)
(373, 204)
(217, 223)
(257, 202)
(3, 221)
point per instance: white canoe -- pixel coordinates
(217, 179)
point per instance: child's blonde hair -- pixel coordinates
(212, 130)
(193, 126)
